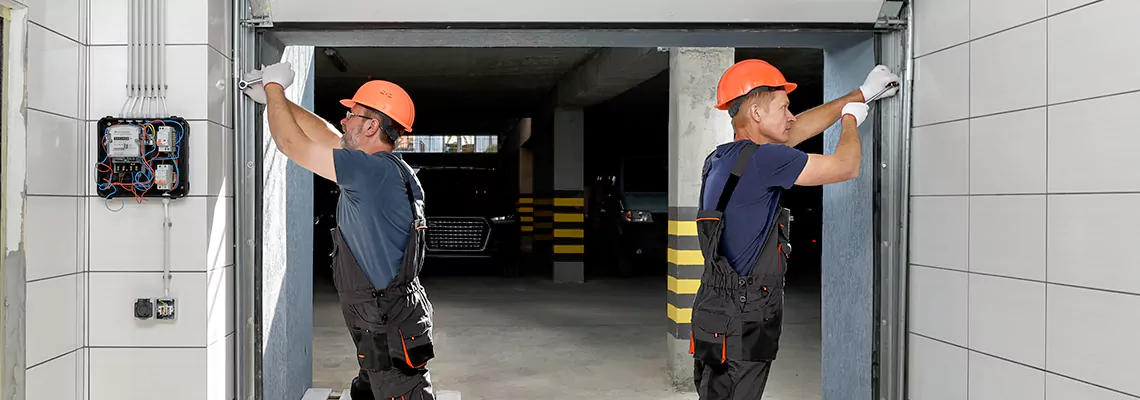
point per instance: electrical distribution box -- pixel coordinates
(142, 157)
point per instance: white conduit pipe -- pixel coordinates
(149, 42)
(131, 80)
(162, 56)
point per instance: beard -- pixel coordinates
(349, 139)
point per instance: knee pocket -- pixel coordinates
(412, 342)
(708, 339)
(371, 349)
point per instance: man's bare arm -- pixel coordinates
(291, 140)
(814, 121)
(315, 127)
(840, 166)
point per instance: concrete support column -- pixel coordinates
(568, 247)
(695, 129)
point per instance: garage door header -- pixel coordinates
(581, 11)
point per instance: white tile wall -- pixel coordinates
(1044, 234)
(989, 16)
(1061, 388)
(1092, 241)
(53, 314)
(939, 304)
(69, 310)
(1059, 6)
(1089, 145)
(113, 371)
(54, 155)
(996, 379)
(112, 300)
(1007, 236)
(1085, 60)
(993, 139)
(54, 380)
(1007, 319)
(50, 236)
(942, 86)
(56, 88)
(1091, 336)
(1007, 70)
(941, 24)
(939, 234)
(937, 371)
(141, 224)
(941, 158)
(61, 16)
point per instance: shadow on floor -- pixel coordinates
(502, 338)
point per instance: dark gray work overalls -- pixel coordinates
(736, 320)
(391, 328)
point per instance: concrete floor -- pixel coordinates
(532, 339)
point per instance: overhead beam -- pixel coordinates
(609, 72)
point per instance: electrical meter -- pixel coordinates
(142, 157)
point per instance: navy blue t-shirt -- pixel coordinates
(755, 202)
(373, 211)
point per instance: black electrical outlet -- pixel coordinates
(144, 309)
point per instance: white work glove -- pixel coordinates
(877, 81)
(280, 73)
(857, 110)
(255, 91)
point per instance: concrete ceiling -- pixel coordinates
(459, 84)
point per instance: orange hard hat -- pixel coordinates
(745, 76)
(385, 97)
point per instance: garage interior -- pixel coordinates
(500, 315)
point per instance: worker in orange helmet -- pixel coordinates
(378, 244)
(744, 230)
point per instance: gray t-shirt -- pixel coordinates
(373, 210)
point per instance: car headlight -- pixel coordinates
(638, 216)
(503, 219)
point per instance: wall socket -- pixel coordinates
(161, 308)
(164, 309)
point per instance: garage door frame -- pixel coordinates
(890, 210)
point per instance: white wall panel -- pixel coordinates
(1084, 60)
(942, 86)
(989, 16)
(1007, 319)
(940, 231)
(1007, 153)
(939, 304)
(1007, 236)
(940, 159)
(633, 11)
(937, 371)
(1007, 70)
(1092, 336)
(1090, 145)
(1092, 241)
(996, 379)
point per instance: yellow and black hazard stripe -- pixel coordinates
(525, 209)
(543, 218)
(686, 264)
(569, 229)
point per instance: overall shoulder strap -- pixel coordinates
(407, 183)
(738, 168)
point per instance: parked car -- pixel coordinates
(468, 216)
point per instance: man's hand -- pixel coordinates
(877, 81)
(280, 73)
(857, 110)
(255, 91)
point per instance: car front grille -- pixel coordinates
(457, 233)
